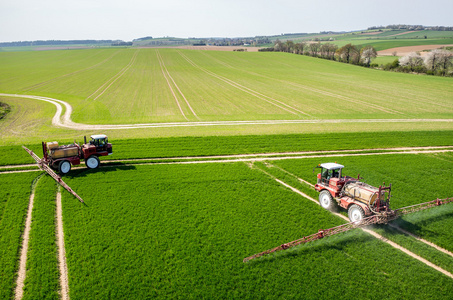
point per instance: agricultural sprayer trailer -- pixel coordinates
(366, 204)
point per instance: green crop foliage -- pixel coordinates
(14, 198)
(115, 86)
(42, 278)
(249, 144)
(183, 230)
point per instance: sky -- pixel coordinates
(27, 20)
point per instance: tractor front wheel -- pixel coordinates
(92, 162)
(356, 213)
(64, 167)
(326, 201)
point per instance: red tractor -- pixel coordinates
(360, 199)
(62, 157)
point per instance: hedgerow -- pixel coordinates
(14, 198)
(181, 231)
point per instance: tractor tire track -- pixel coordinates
(19, 291)
(171, 89)
(254, 93)
(312, 89)
(115, 77)
(64, 281)
(165, 71)
(372, 233)
(256, 157)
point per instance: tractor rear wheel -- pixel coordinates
(64, 167)
(326, 201)
(356, 213)
(92, 162)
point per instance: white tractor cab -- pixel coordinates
(99, 139)
(329, 171)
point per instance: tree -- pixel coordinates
(432, 59)
(347, 52)
(412, 61)
(445, 61)
(439, 60)
(314, 48)
(367, 53)
(299, 47)
(290, 46)
(328, 50)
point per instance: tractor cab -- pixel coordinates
(330, 178)
(99, 140)
(98, 145)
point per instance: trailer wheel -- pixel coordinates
(92, 162)
(64, 167)
(356, 213)
(326, 201)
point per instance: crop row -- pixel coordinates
(14, 198)
(215, 145)
(42, 277)
(182, 231)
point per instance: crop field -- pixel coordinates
(180, 230)
(124, 86)
(14, 197)
(179, 205)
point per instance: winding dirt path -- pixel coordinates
(65, 121)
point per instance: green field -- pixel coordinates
(130, 86)
(178, 223)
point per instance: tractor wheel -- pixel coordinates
(64, 167)
(92, 162)
(355, 213)
(326, 201)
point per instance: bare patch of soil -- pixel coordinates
(221, 48)
(402, 51)
(401, 33)
(371, 33)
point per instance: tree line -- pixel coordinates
(351, 54)
(436, 62)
